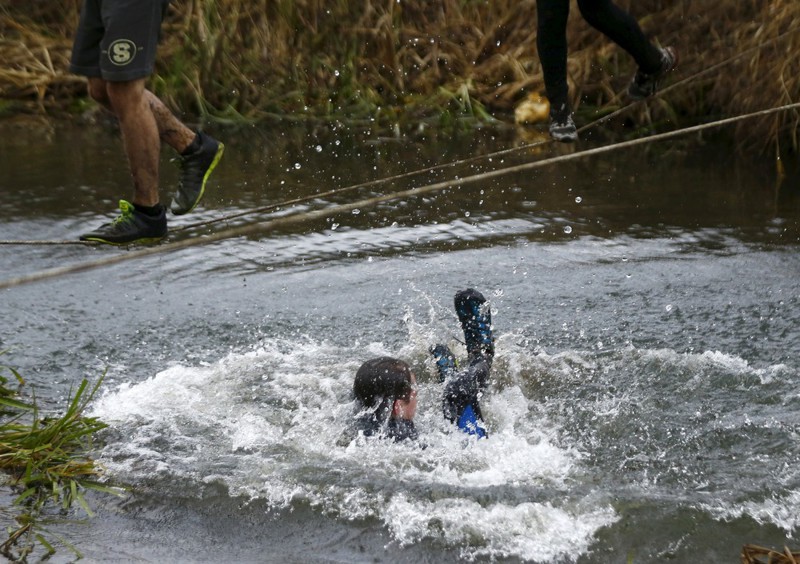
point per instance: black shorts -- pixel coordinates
(116, 39)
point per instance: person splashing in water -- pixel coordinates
(385, 388)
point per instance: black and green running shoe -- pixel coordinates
(195, 170)
(131, 226)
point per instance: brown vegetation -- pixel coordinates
(396, 60)
(752, 554)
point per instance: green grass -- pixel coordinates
(48, 464)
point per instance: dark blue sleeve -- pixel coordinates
(460, 402)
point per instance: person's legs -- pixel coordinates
(476, 321)
(460, 401)
(462, 389)
(129, 45)
(619, 26)
(115, 47)
(145, 220)
(140, 136)
(551, 42)
(170, 129)
(622, 29)
(199, 153)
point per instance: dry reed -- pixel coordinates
(393, 60)
(753, 554)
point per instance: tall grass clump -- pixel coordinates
(47, 461)
(409, 60)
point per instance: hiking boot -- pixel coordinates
(562, 127)
(131, 226)
(476, 321)
(195, 170)
(644, 84)
(445, 361)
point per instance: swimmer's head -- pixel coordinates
(389, 386)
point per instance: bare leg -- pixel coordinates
(140, 136)
(144, 121)
(170, 129)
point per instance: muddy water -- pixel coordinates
(644, 401)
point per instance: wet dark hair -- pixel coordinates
(379, 382)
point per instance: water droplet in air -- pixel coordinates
(567, 229)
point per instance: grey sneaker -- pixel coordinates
(562, 128)
(644, 85)
(130, 227)
(195, 170)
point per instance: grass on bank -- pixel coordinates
(47, 462)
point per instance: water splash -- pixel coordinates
(265, 424)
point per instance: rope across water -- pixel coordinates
(260, 228)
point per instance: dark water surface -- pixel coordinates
(644, 404)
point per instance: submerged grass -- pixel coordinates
(47, 461)
(391, 61)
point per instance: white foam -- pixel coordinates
(537, 532)
(266, 424)
(779, 511)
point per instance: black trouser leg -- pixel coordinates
(622, 29)
(551, 41)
